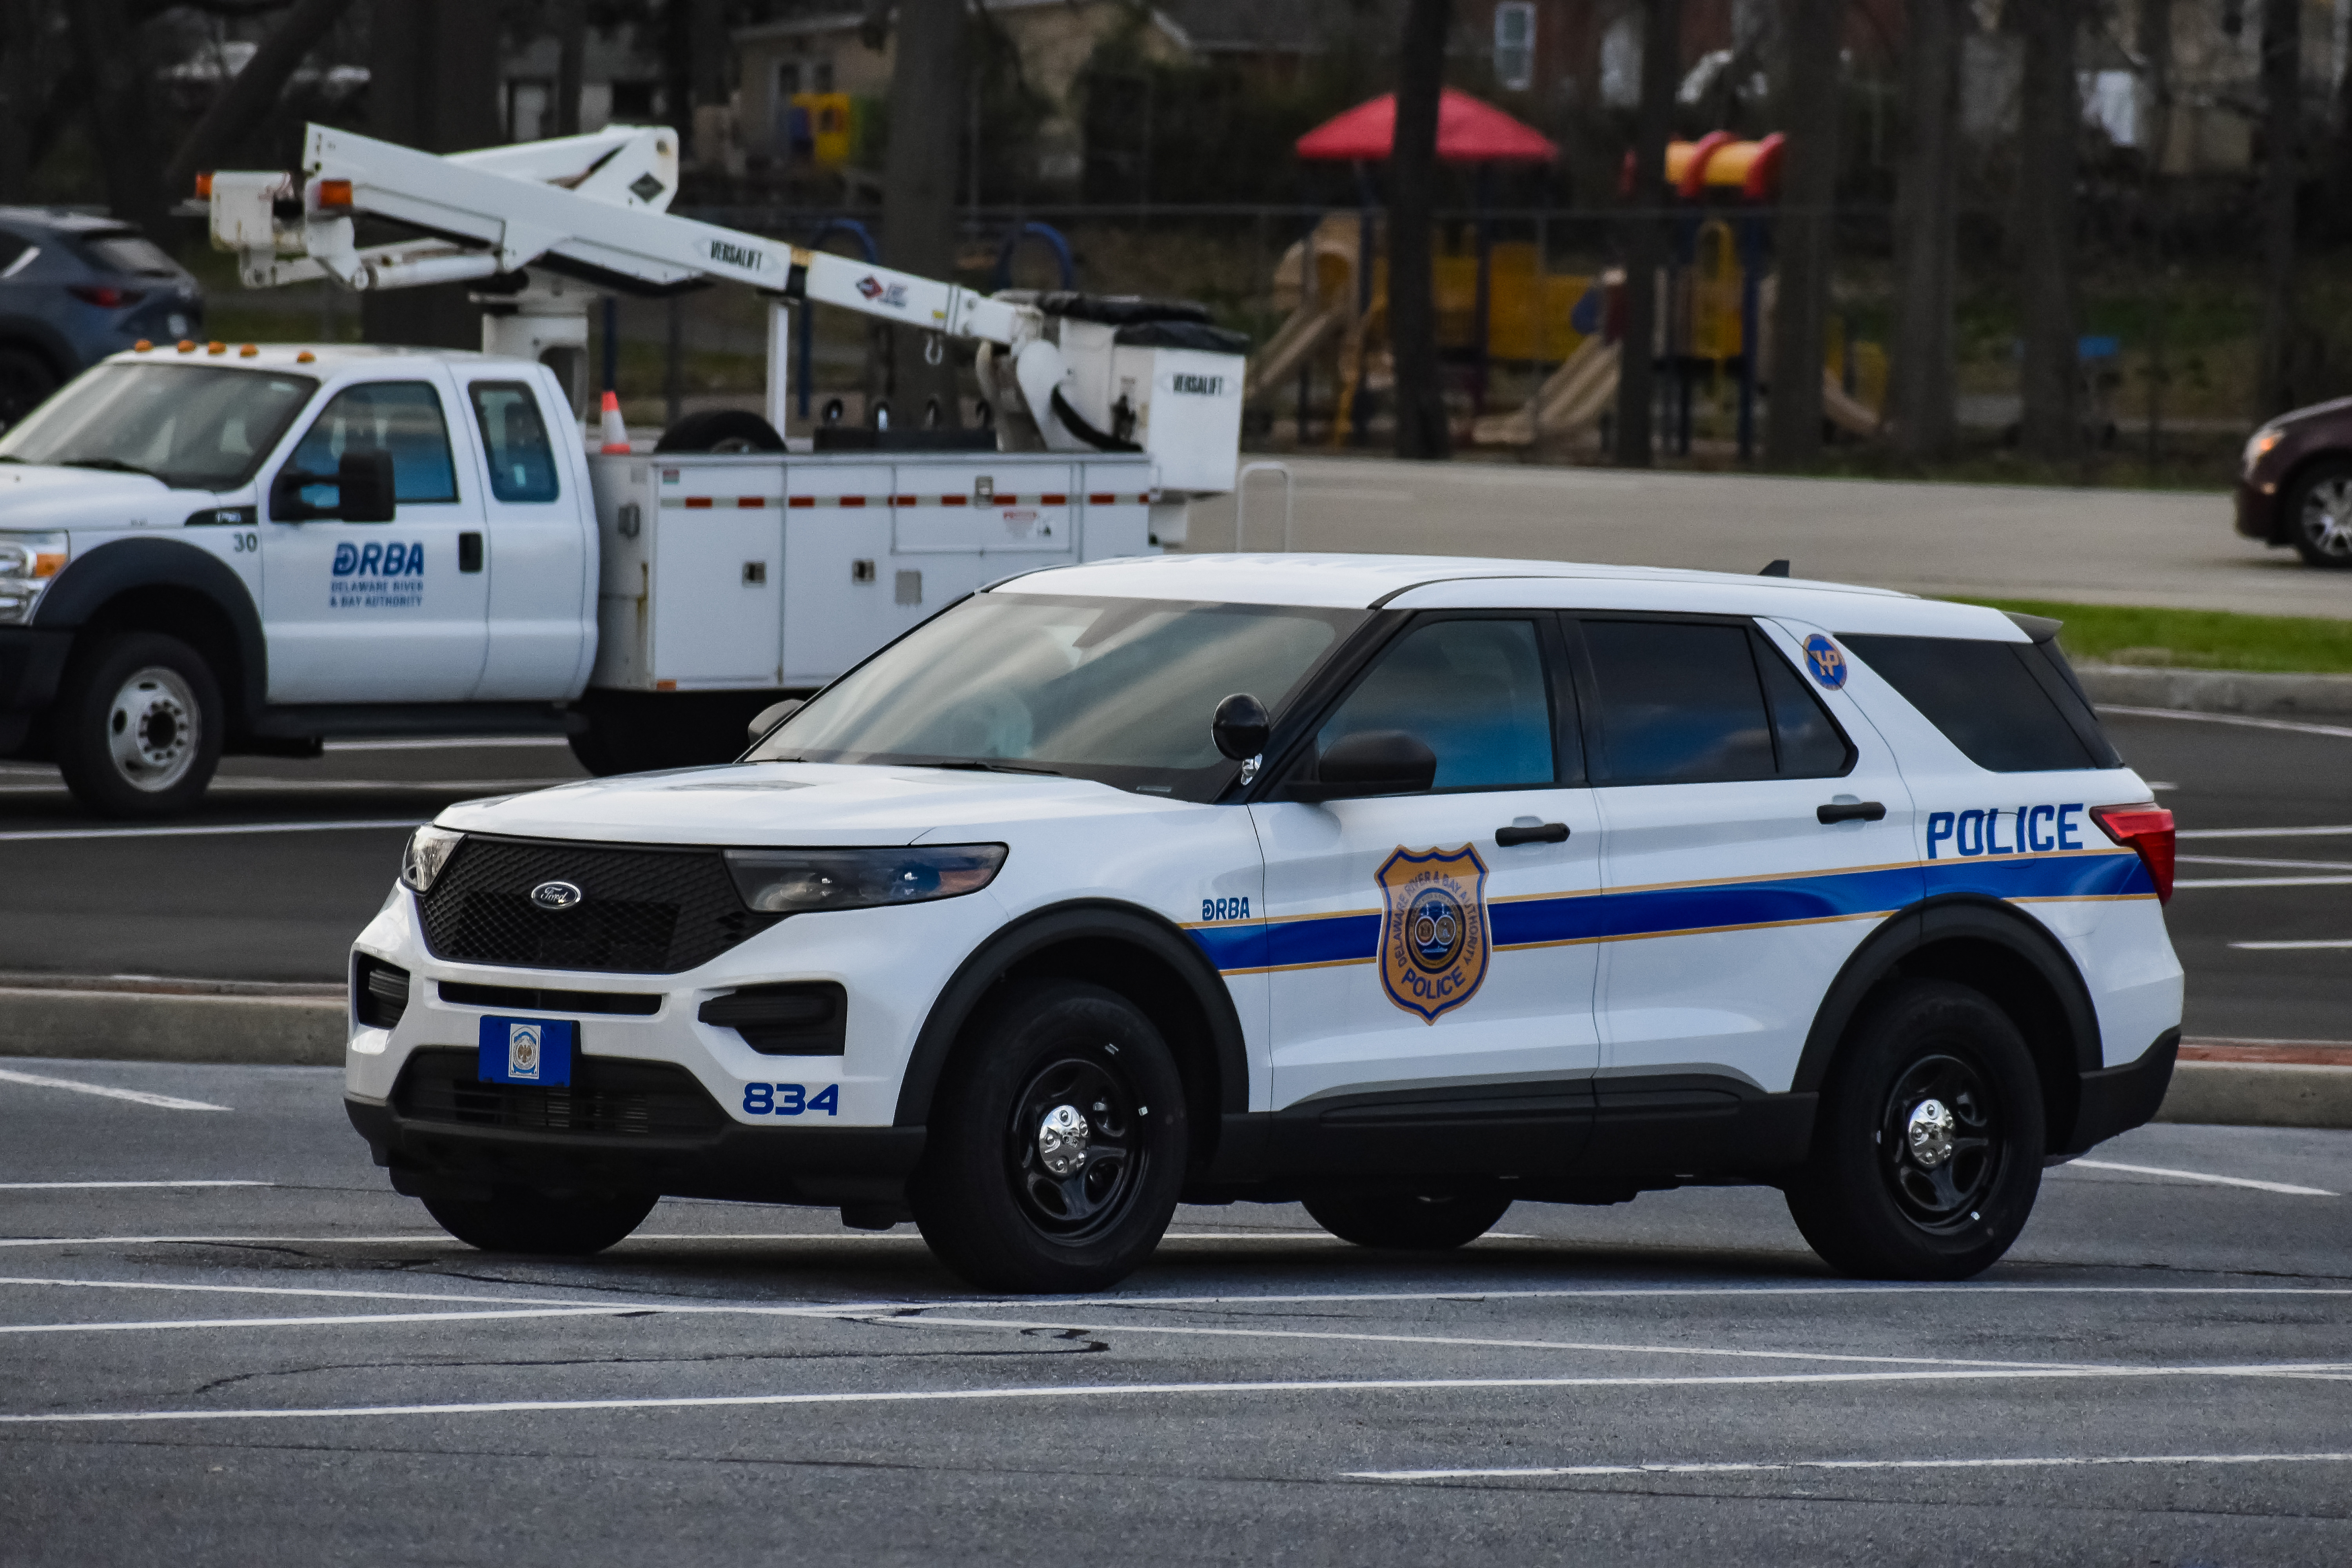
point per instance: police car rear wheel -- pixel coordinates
(1411, 1222)
(138, 725)
(523, 1221)
(1056, 1144)
(1929, 1143)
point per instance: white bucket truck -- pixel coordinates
(208, 550)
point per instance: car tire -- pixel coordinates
(1056, 1144)
(26, 379)
(1407, 1222)
(539, 1225)
(1929, 1143)
(139, 718)
(2318, 514)
(721, 430)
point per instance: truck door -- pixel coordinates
(535, 545)
(376, 612)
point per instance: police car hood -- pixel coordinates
(43, 495)
(797, 804)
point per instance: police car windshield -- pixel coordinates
(201, 428)
(1120, 691)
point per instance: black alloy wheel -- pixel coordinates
(1408, 1222)
(1056, 1142)
(1929, 1141)
(539, 1225)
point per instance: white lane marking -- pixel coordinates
(313, 1290)
(435, 1239)
(467, 744)
(2291, 946)
(2286, 865)
(2264, 882)
(2264, 833)
(2047, 1461)
(2239, 720)
(2204, 1176)
(339, 1320)
(136, 1096)
(212, 831)
(2330, 1372)
(80, 1186)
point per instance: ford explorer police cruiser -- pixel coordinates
(1404, 887)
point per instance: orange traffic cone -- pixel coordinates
(616, 435)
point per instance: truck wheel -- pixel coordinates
(138, 721)
(1928, 1146)
(532, 1222)
(721, 430)
(25, 379)
(1408, 1223)
(1056, 1146)
(2319, 514)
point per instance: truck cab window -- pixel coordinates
(402, 417)
(514, 440)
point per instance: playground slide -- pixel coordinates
(1570, 401)
(1291, 346)
(1844, 410)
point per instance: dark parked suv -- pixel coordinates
(75, 288)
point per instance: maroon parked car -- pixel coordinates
(2294, 484)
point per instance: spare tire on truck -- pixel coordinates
(721, 430)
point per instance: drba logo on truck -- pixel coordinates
(377, 576)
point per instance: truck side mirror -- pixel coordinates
(365, 483)
(1240, 726)
(1369, 762)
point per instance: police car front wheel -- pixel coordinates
(1929, 1143)
(1057, 1144)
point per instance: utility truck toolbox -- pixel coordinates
(1405, 888)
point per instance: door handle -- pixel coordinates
(1544, 833)
(1852, 811)
(469, 552)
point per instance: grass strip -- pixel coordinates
(2194, 639)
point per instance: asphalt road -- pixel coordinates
(81, 897)
(304, 1370)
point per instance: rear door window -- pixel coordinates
(1676, 702)
(514, 440)
(1999, 702)
(1806, 740)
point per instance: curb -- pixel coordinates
(2259, 1094)
(2247, 692)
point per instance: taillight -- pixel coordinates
(105, 296)
(2148, 831)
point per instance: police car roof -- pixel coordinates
(1451, 582)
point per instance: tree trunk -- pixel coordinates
(1423, 430)
(2282, 76)
(570, 63)
(1645, 241)
(1808, 106)
(2049, 128)
(119, 124)
(20, 95)
(249, 98)
(928, 82)
(1926, 216)
(432, 86)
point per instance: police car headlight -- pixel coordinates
(795, 881)
(27, 562)
(429, 849)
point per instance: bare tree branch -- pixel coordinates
(255, 90)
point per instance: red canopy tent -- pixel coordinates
(1468, 132)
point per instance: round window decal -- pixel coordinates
(1827, 663)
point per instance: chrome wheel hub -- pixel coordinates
(1929, 1131)
(1062, 1140)
(151, 729)
(2328, 517)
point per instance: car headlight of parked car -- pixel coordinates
(796, 881)
(2258, 446)
(27, 562)
(429, 849)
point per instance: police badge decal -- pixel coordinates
(1432, 928)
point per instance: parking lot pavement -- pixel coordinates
(306, 1370)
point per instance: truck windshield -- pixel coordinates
(1118, 690)
(197, 428)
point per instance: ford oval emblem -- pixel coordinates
(557, 895)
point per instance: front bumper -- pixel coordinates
(2258, 514)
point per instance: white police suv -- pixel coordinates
(1407, 888)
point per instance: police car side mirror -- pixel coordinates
(1241, 726)
(1369, 762)
(364, 486)
(773, 714)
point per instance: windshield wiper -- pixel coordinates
(975, 766)
(111, 466)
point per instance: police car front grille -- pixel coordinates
(642, 911)
(605, 1099)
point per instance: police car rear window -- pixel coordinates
(2003, 704)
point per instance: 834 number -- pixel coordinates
(790, 1100)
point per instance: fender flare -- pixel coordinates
(1966, 916)
(1034, 933)
(120, 565)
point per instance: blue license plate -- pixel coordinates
(527, 1050)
